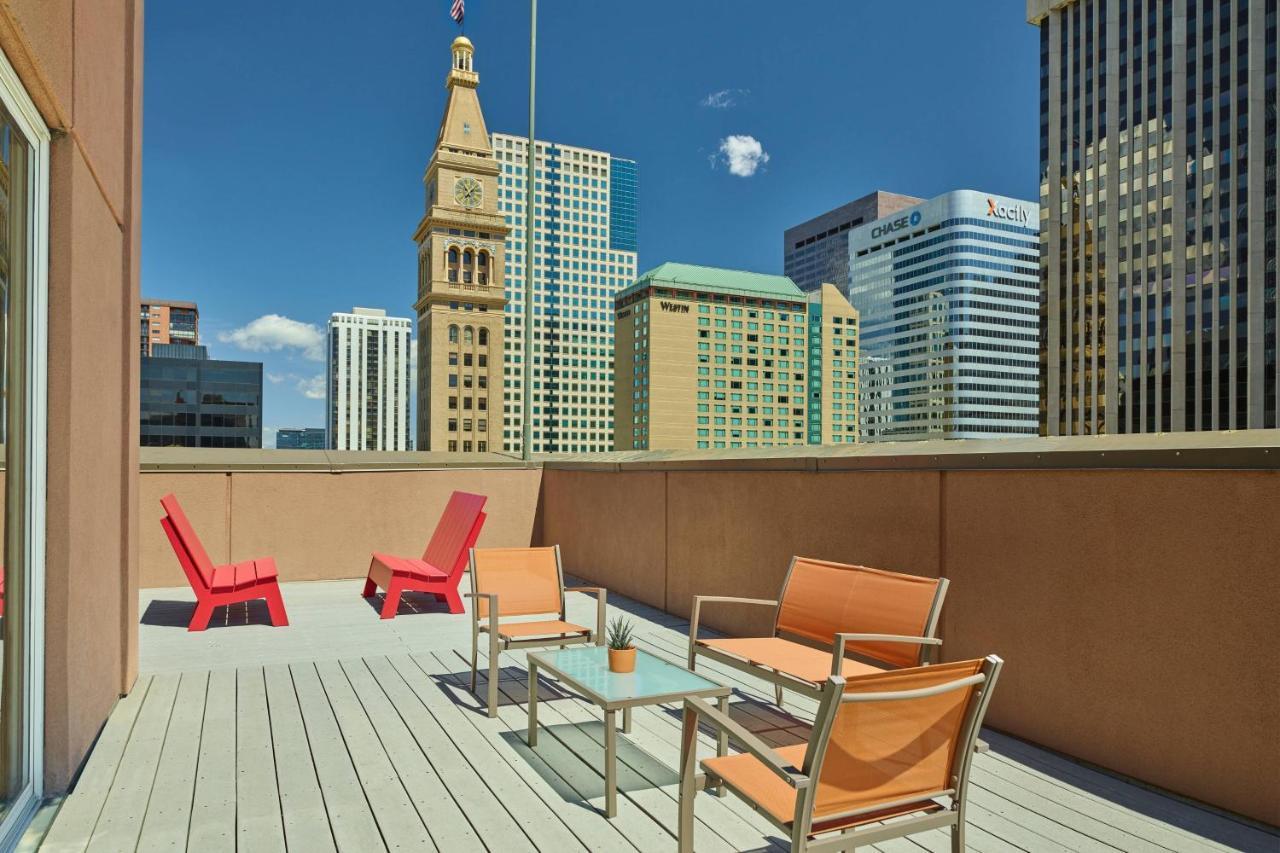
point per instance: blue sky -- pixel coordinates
(284, 142)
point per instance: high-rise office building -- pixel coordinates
(584, 255)
(716, 358)
(164, 321)
(367, 383)
(300, 438)
(461, 261)
(1158, 197)
(190, 400)
(832, 368)
(948, 297)
(817, 251)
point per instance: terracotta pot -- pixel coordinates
(622, 660)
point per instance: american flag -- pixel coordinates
(457, 10)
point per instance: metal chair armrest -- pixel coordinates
(733, 599)
(748, 742)
(889, 638)
(601, 597)
(695, 613)
(492, 598)
(837, 652)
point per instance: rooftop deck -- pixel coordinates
(344, 732)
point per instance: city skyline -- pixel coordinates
(344, 241)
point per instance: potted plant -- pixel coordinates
(622, 651)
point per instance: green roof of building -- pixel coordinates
(717, 280)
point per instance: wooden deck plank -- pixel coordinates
(987, 785)
(126, 804)
(168, 817)
(259, 821)
(653, 778)
(213, 808)
(637, 801)
(399, 822)
(1135, 824)
(1220, 831)
(79, 814)
(444, 818)
(462, 759)
(576, 783)
(471, 780)
(306, 823)
(544, 827)
(555, 783)
(350, 818)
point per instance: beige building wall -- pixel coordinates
(156, 315)
(461, 259)
(839, 367)
(81, 63)
(677, 341)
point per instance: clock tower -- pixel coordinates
(461, 261)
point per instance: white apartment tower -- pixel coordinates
(367, 386)
(584, 246)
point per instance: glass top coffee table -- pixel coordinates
(654, 682)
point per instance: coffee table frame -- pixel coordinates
(536, 661)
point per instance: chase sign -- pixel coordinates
(894, 225)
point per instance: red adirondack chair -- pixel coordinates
(440, 569)
(213, 585)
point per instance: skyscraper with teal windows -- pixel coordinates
(585, 220)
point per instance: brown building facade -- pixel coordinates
(70, 115)
(163, 321)
(461, 257)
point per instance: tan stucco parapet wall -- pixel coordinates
(1234, 449)
(1240, 450)
(335, 461)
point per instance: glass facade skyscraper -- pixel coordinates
(584, 255)
(195, 401)
(300, 438)
(1158, 198)
(948, 294)
(367, 380)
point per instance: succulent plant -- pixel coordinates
(620, 633)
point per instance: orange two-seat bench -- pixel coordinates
(213, 585)
(825, 610)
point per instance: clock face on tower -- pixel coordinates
(468, 192)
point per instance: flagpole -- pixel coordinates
(530, 185)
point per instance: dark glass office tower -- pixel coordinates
(194, 401)
(300, 438)
(816, 252)
(1158, 201)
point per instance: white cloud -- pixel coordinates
(313, 388)
(743, 154)
(723, 99)
(272, 332)
(276, 378)
(268, 436)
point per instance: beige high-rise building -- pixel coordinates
(461, 258)
(716, 358)
(833, 367)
